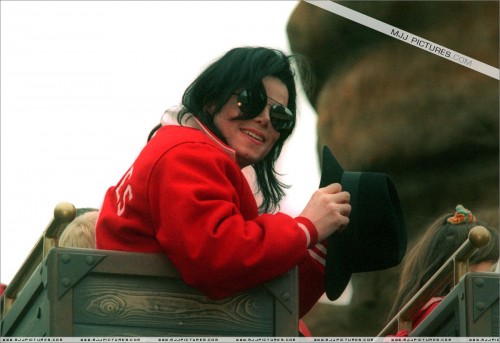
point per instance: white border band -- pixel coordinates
(407, 37)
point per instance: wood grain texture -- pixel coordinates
(170, 305)
(142, 295)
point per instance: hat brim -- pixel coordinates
(375, 238)
(337, 275)
(337, 271)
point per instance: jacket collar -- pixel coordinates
(170, 118)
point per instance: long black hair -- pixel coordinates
(244, 68)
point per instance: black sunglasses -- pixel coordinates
(252, 102)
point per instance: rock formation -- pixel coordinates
(385, 105)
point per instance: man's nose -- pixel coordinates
(265, 115)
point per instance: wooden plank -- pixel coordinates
(31, 290)
(61, 314)
(33, 322)
(286, 312)
(170, 304)
(127, 263)
(130, 294)
(61, 310)
(454, 316)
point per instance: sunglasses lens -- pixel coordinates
(281, 118)
(251, 102)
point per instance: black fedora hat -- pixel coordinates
(375, 238)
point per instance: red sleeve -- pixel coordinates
(2, 288)
(402, 333)
(311, 277)
(420, 316)
(425, 311)
(225, 246)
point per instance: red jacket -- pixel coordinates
(186, 196)
(421, 315)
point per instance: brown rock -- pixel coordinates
(384, 105)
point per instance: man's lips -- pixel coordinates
(255, 135)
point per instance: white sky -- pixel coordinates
(83, 83)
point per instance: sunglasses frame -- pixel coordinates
(252, 102)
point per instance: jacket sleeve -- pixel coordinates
(197, 197)
(311, 277)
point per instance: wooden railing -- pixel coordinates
(449, 274)
(65, 292)
(63, 214)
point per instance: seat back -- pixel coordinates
(66, 292)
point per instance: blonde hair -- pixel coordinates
(80, 233)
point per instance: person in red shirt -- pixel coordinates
(186, 195)
(432, 250)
